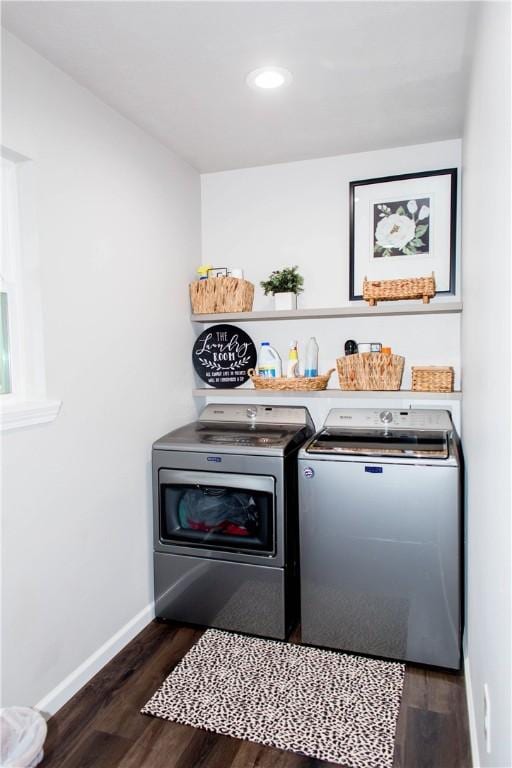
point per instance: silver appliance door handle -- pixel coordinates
(223, 479)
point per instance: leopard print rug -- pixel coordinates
(324, 704)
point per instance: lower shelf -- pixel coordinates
(400, 394)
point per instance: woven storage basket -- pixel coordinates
(370, 370)
(221, 294)
(301, 383)
(432, 378)
(394, 290)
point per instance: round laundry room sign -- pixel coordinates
(222, 355)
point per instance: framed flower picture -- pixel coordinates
(403, 226)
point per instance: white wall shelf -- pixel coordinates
(357, 310)
(401, 394)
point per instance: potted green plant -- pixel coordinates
(284, 285)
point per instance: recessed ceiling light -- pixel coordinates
(269, 77)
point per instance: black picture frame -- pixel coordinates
(449, 238)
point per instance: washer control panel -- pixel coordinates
(377, 418)
(255, 414)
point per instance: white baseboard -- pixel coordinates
(473, 739)
(56, 698)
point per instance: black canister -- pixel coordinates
(351, 347)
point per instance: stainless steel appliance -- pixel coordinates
(380, 508)
(225, 518)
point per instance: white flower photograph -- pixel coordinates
(401, 228)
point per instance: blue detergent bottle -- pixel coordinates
(311, 367)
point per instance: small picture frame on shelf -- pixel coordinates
(218, 272)
(403, 227)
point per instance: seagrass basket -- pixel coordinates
(301, 383)
(432, 378)
(370, 371)
(394, 290)
(221, 294)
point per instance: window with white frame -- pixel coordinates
(23, 400)
(11, 378)
(5, 346)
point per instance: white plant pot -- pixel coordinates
(285, 301)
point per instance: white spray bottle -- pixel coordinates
(293, 361)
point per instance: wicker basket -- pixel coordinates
(432, 378)
(221, 294)
(370, 371)
(301, 383)
(394, 290)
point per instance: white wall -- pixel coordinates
(297, 213)
(119, 228)
(486, 369)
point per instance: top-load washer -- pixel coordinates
(225, 518)
(380, 535)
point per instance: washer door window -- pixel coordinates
(217, 511)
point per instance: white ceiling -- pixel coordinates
(366, 75)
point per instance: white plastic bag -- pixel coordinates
(22, 735)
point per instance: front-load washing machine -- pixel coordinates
(380, 518)
(225, 518)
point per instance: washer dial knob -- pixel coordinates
(386, 417)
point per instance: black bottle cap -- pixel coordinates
(350, 347)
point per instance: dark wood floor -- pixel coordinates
(101, 727)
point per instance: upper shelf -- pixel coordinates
(389, 308)
(398, 394)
